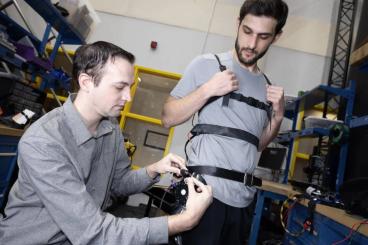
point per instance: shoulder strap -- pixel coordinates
(226, 98)
(269, 111)
(221, 66)
(267, 80)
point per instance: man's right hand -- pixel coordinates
(221, 83)
(199, 198)
(178, 110)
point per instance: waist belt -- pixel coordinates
(246, 179)
(225, 131)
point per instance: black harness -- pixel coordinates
(239, 97)
(247, 179)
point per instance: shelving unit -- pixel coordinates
(67, 34)
(307, 101)
(358, 122)
(8, 157)
(316, 96)
(361, 121)
(17, 30)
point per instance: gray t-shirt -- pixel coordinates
(221, 151)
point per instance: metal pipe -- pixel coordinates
(55, 96)
(63, 49)
(8, 154)
(16, 5)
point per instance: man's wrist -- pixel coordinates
(180, 222)
(151, 171)
(278, 118)
(205, 91)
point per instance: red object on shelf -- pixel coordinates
(153, 44)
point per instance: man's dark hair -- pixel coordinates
(276, 9)
(92, 58)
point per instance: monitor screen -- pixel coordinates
(272, 158)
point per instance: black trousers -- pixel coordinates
(221, 224)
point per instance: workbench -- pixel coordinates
(330, 224)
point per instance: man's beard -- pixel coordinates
(251, 61)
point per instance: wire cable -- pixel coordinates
(352, 231)
(162, 199)
(295, 199)
(352, 236)
(209, 26)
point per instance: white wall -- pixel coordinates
(308, 27)
(176, 46)
(186, 28)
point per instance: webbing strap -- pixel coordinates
(226, 97)
(221, 66)
(248, 100)
(225, 131)
(245, 178)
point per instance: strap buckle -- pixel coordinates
(248, 179)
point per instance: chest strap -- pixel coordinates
(248, 100)
(239, 97)
(223, 131)
(246, 179)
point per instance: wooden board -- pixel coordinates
(359, 55)
(282, 189)
(338, 215)
(4, 130)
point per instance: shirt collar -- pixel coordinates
(77, 126)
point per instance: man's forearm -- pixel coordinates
(177, 111)
(269, 133)
(178, 223)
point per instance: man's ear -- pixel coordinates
(278, 35)
(85, 82)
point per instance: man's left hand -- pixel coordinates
(171, 163)
(275, 95)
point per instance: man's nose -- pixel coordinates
(126, 95)
(253, 42)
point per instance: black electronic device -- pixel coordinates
(354, 194)
(272, 158)
(301, 185)
(174, 199)
(181, 189)
(15, 96)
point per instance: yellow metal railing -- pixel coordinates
(61, 98)
(126, 113)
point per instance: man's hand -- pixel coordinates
(199, 198)
(275, 95)
(221, 83)
(171, 163)
(196, 205)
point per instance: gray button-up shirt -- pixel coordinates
(66, 177)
